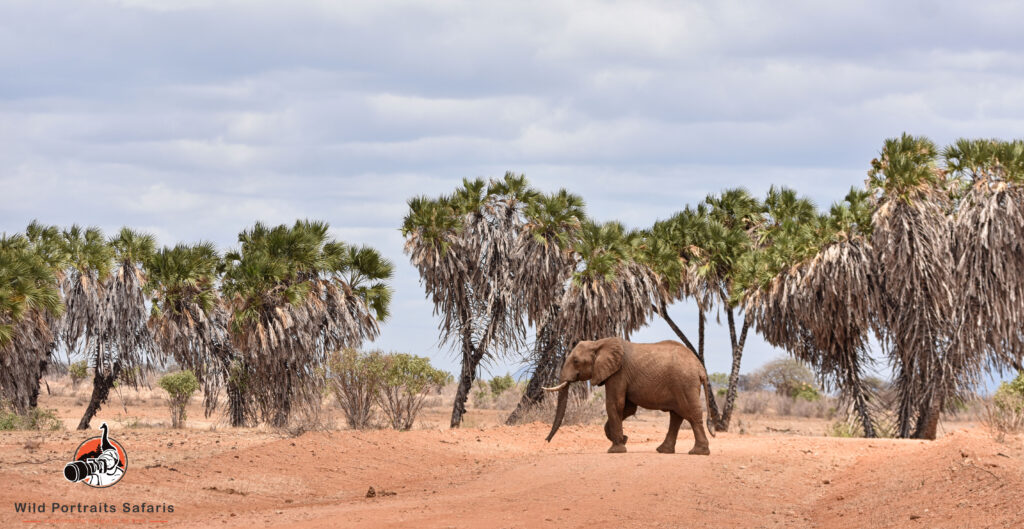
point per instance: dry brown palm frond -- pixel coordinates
(820, 311)
(23, 359)
(125, 343)
(598, 307)
(914, 305)
(282, 351)
(199, 342)
(988, 234)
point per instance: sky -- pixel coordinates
(192, 119)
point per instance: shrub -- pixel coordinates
(753, 402)
(806, 392)
(786, 375)
(501, 384)
(718, 380)
(1010, 395)
(845, 429)
(355, 378)
(1005, 413)
(34, 419)
(407, 380)
(180, 387)
(78, 371)
(581, 408)
(500, 392)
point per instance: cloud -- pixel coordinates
(193, 119)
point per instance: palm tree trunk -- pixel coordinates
(663, 311)
(101, 386)
(906, 401)
(716, 416)
(734, 374)
(33, 398)
(928, 419)
(860, 404)
(545, 372)
(236, 405)
(470, 359)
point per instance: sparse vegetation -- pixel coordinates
(407, 380)
(180, 387)
(355, 379)
(78, 371)
(33, 419)
(1004, 413)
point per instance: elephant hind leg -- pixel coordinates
(668, 446)
(700, 437)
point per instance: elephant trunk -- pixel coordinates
(563, 399)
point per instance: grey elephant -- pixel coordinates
(657, 376)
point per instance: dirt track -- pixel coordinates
(509, 477)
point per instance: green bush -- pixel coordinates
(1010, 395)
(718, 380)
(35, 419)
(180, 387)
(356, 379)
(78, 371)
(501, 384)
(806, 392)
(407, 380)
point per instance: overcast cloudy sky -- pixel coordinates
(193, 119)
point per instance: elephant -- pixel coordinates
(663, 376)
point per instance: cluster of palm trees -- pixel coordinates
(497, 257)
(257, 322)
(927, 259)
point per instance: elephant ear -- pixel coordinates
(608, 359)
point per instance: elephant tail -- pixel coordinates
(707, 398)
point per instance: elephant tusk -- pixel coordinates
(558, 387)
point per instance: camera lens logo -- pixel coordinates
(98, 462)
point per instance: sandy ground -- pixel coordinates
(776, 474)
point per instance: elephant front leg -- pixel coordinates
(613, 428)
(627, 412)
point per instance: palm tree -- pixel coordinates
(29, 305)
(123, 345)
(290, 306)
(463, 246)
(45, 241)
(733, 216)
(545, 265)
(988, 228)
(911, 239)
(672, 249)
(190, 322)
(809, 290)
(611, 293)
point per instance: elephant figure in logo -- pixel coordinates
(657, 376)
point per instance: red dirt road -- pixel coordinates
(509, 477)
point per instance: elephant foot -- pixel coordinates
(617, 449)
(700, 451)
(666, 449)
(625, 438)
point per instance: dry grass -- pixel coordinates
(771, 403)
(580, 409)
(1003, 418)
